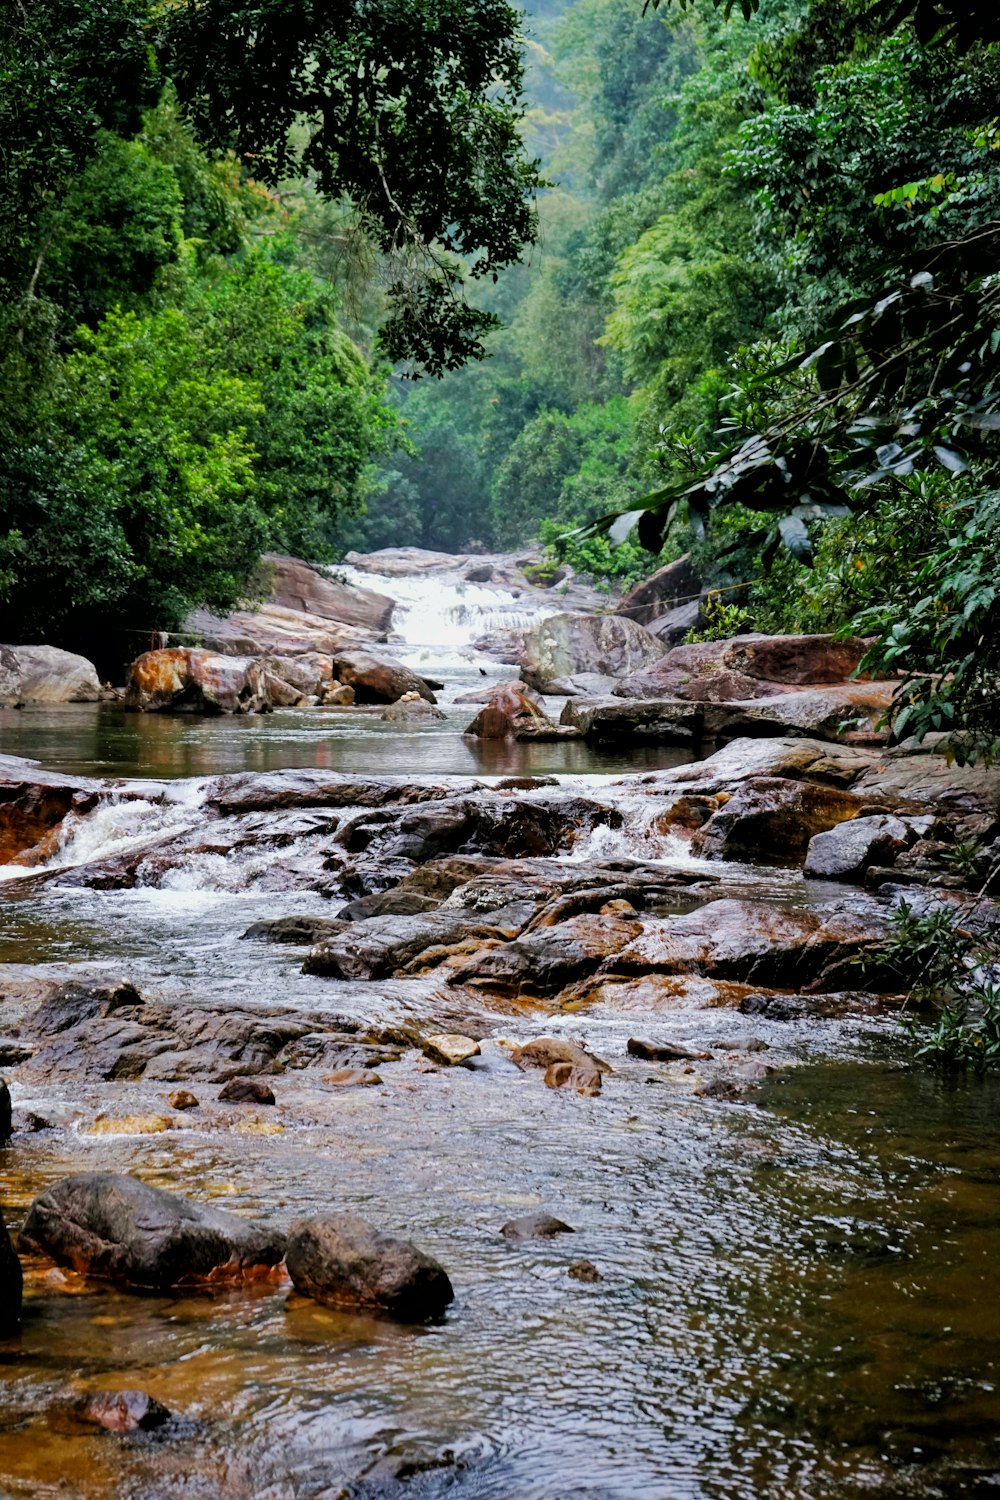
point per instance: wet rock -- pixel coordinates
(351, 1078)
(33, 806)
(247, 1091)
(307, 674)
(834, 712)
(80, 1000)
(343, 1261)
(539, 1226)
(382, 946)
(305, 930)
(584, 1270)
(663, 721)
(11, 1284)
(489, 690)
(183, 1099)
(281, 694)
(336, 695)
(579, 1078)
(12, 1053)
(133, 1124)
(411, 709)
(378, 679)
(761, 944)
(398, 901)
(772, 819)
(126, 1231)
(795, 759)
(543, 961)
(6, 1125)
(928, 780)
(124, 1411)
(664, 1051)
(271, 791)
(450, 1048)
(661, 592)
(847, 851)
(44, 674)
(566, 1064)
(509, 711)
(487, 824)
(565, 644)
(184, 679)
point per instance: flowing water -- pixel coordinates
(798, 1294)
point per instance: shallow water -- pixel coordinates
(798, 1289)
(102, 740)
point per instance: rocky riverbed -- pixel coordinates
(444, 1005)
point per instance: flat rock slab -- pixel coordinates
(343, 1261)
(797, 759)
(124, 1230)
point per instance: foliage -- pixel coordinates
(721, 620)
(410, 109)
(952, 972)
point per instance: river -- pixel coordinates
(798, 1294)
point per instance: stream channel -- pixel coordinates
(799, 1292)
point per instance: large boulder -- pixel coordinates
(772, 819)
(565, 645)
(343, 1261)
(847, 851)
(271, 629)
(676, 583)
(182, 679)
(665, 721)
(124, 1230)
(755, 942)
(297, 586)
(927, 778)
(511, 713)
(11, 1284)
(378, 679)
(44, 674)
(796, 659)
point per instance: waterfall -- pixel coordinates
(439, 615)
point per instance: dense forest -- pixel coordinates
(728, 277)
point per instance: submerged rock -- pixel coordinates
(124, 1411)
(411, 709)
(584, 1270)
(540, 1226)
(247, 1091)
(664, 1051)
(11, 1284)
(122, 1229)
(343, 1261)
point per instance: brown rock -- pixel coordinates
(664, 1051)
(182, 1099)
(124, 1411)
(311, 591)
(337, 695)
(584, 1270)
(581, 1078)
(343, 1261)
(33, 806)
(662, 591)
(183, 679)
(799, 659)
(509, 710)
(247, 1091)
(771, 820)
(349, 1078)
(377, 679)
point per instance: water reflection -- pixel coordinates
(100, 739)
